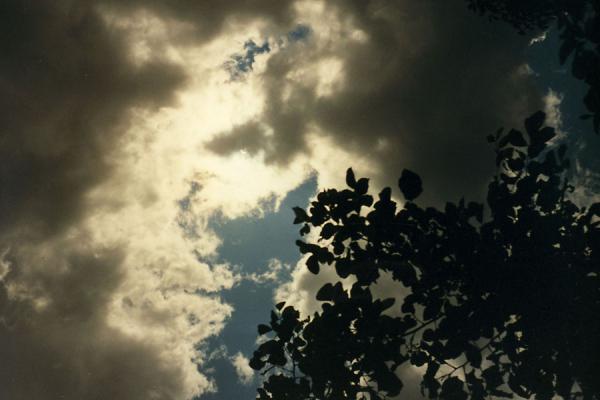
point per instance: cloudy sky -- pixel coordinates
(151, 151)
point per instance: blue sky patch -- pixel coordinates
(240, 64)
(301, 32)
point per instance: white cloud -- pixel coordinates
(243, 370)
(552, 101)
(116, 304)
(274, 272)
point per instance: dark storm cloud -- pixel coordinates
(422, 92)
(207, 18)
(54, 340)
(249, 137)
(67, 84)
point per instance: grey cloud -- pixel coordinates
(67, 85)
(54, 339)
(249, 137)
(207, 18)
(422, 92)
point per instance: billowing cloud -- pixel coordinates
(101, 295)
(57, 344)
(407, 84)
(67, 85)
(242, 368)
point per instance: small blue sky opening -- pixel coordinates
(241, 64)
(249, 243)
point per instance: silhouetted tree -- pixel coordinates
(578, 22)
(503, 305)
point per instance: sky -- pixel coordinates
(151, 151)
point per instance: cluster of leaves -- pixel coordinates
(578, 22)
(498, 306)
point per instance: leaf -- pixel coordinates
(268, 347)
(432, 369)
(405, 273)
(305, 230)
(262, 329)
(562, 150)
(534, 123)
(418, 358)
(516, 164)
(328, 230)
(545, 134)
(302, 246)
(492, 376)
(428, 335)
(350, 179)
(592, 100)
(504, 155)
(432, 309)
(338, 247)
(325, 293)
(300, 215)
(362, 186)
(475, 210)
(388, 381)
(515, 385)
(452, 388)
(343, 268)
(290, 314)
(313, 264)
(280, 305)
(408, 306)
(387, 303)
(255, 362)
(534, 150)
(277, 356)
(473, 355)
(514, 138)
(262, 394)
(501, 393)
(410, 185)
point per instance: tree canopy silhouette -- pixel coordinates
(578, 22)
(500, 303)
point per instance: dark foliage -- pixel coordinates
(499, 306)
(578, 22)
